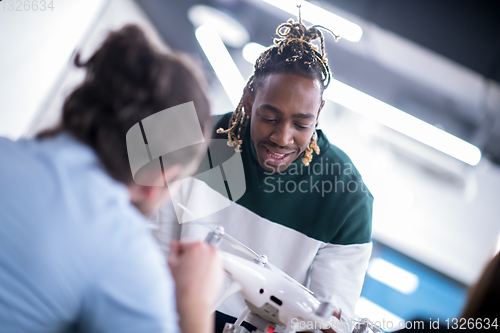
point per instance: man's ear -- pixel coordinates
(248, 99)
(140, 192)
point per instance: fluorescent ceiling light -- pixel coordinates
(221, 62)
(317, 15)
(402, 122)
(252, 51)
(392, 276)
(379, 315)
(230, 31)
(390, 116)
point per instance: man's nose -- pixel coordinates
(282, 136)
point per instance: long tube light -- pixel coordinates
(229, 30)
(317, 15)
(378, 315)
(402, 122)
(390, 116)
(393, 276)
(221, 61)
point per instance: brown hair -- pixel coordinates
(484, 296)
(127, 80)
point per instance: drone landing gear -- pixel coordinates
(232, 328)
(262, 326)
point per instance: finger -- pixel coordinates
(197, 248)
(174, 254)
(337, 313)
(174, 246)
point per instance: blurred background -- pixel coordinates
(415, 103)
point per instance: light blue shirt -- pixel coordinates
(75, 255)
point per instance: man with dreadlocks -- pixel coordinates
(321, 238)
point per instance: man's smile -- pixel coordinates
(274, 156)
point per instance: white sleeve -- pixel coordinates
(339, 271)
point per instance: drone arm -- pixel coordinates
(242, 317)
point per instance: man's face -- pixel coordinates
(284, 112)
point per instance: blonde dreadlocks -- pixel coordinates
(295, 53)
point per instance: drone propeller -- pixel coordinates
(238, 246)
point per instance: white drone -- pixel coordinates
(273, 298)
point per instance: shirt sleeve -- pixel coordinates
(339, 267)
(134, 292)
(339, 271)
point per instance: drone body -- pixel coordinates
(269, 295)
(273, 298)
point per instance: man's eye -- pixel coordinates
(268, 120)
(301, 126)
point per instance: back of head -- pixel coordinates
(128, 80)
(484, 297)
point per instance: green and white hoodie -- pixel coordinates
(312, 222)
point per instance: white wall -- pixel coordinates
(115, 15)
(35, 47)
(36, 71)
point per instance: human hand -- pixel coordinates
(337, 313)
(198, 275)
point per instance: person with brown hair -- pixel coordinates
(75, 250)
(484, 297)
